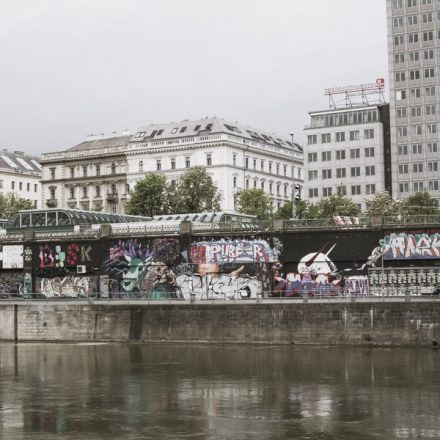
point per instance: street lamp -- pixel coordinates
(293, 178)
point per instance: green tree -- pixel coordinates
(284, 212)
(255, 202)
(149, 197)
(336, 205)
(10, 203)
(382, 204)
(196, 192)
(420, 203)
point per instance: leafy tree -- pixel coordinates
(150, 196)
(255, 202)
(10, 203)
(328, 207)
(196, 192)
(382, 204)
(420, 203)
(284, 212)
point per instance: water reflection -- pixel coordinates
(109, 391)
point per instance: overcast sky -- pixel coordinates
(73, 67)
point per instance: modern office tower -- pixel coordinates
(414, 68)
(346, 153)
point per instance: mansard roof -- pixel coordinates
(19, 162)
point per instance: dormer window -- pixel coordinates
(182, 130)
(197, 128)
(208, 127)
(174, 130)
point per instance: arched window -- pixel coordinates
(141, 166)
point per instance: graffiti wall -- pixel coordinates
(411, 246)
(68, 286)
(287, 264)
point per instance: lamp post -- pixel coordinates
(293, 179)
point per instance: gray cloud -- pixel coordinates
(72, 67)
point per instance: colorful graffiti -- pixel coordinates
(69, 286)
(234, 251)
(144, 266)
(64, 255)
(403, 246)
(11, 282)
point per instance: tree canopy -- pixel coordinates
(150, 196)
(420, 203)
(255, 202)
(382, 204)
(10, 203)
(195, 192)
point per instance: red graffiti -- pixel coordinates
(72, 254)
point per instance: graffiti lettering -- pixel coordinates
(46, 257)
(72, 254)
(238, 251)
(404, 246)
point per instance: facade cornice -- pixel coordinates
(63, 160)
(19, 174)
(104, 177)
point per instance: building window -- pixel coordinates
(72, 193)
(340, 136)
(141, 166)
(326, 156)
(209, 159)
(341, 173)
(370, 189)
(255, 163)
(247, 183)
(432, 166)
(84, 192)
(84, 170)
(370, 170)
(52, 193)
(418, 167)
(98, 170)
(326, 174)
(355, 153)
(369, 133)
(234, 160)
(355, 171)
(312, 157)
(113, 187)
(246, 162)
(270, 188)
(278, 189)
(262, 185)
(72, 172)
(341, 190)
(127, 186)
(431, 128)
(187, 162)
(417, 149)
(20, 185)
(327, 192)
(312, 139)
(404, 187)
(234, 181)
(340, 154)
(432, 147)
(313, 175)
(433, 185)
(270, 167)
(355, 190)
(113, 168)
(354, 135)
(413, 75)
(403, 168)
(35, 187)
(402, 150)
(97, 191)
(173, 163)
(255, 183)
(158, 165)
(418, 186)
(52, 173)
(262, 165)
(313, 193)
(28, 187)
(326, 138)
(369, 152)
(285, 170)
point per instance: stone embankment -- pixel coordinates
(362, 323)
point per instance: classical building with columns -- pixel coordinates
(89, 176)
(98, 174)
(236, 156)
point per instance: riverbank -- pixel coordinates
(377, 323)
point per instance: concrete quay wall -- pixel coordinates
(381, 324)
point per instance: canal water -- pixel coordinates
(115, 391)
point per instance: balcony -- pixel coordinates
(51, 203)
(112, 198)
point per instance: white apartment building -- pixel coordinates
(20, 174)
(345, 153)
(89, 176)
(235, 156)
(414, 69)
